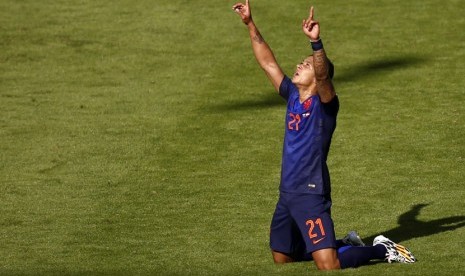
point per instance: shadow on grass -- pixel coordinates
(356, 73)
(378, 67)
(268, 100)
(410, 227)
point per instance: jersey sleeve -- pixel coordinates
(285, 88)
(331, 108)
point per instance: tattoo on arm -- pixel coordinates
(323, 82)
(258, 37)
(320, 64)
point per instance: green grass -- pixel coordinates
(140, 137)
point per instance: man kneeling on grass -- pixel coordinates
(302, 227)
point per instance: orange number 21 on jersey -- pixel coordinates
(294, 123)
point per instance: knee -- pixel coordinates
(328, 265)
(280, 258)
(326, 259)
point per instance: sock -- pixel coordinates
(340, 243)
(355, 256)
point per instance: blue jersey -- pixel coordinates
(309, 128)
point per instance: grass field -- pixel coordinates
(140, 137)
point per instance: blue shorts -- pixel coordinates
(302, 224)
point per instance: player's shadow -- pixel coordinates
(410, 227)
(357, 72)
(267, 100)
(369, 69)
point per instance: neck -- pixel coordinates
(306, 91)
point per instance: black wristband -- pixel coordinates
(316, 45)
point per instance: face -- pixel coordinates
(304, 73)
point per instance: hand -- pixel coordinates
(311, 27)
(244, 11)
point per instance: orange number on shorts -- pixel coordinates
(312, 223)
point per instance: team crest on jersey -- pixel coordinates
(308, 103)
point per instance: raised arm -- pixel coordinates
(261, 50)
(324, 85)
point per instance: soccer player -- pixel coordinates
(302, 223)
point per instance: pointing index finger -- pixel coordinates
(311, 13)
